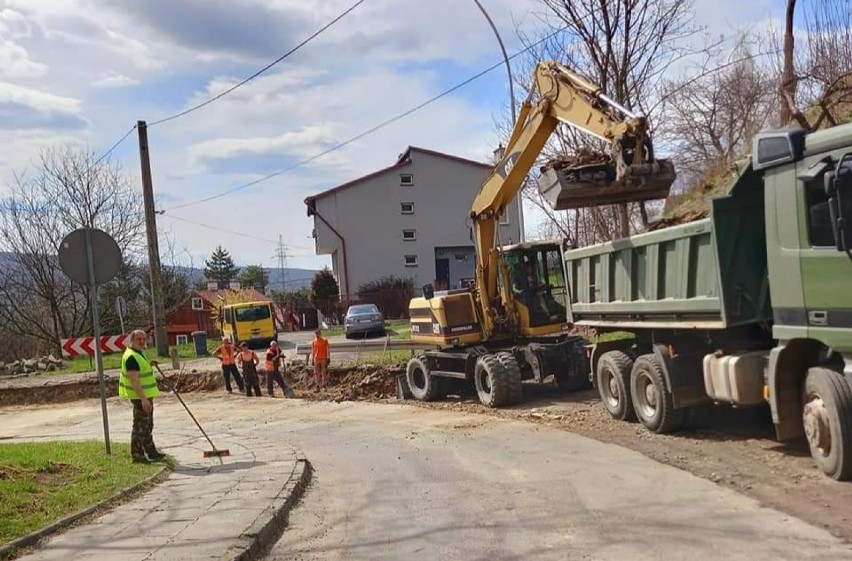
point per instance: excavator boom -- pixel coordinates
(630, 172)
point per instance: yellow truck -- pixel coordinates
(252, 322)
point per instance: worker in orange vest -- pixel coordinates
(321, 356)
(227, 353)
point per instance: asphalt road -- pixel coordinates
(401, 482)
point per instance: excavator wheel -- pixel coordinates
(492, 381)
(423, 385)
(513, 370)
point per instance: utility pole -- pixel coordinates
(158, 309)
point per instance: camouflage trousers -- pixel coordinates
(141, 436)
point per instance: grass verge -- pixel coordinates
(379, 358)
(42, 482)
(112, 361)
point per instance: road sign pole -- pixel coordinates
(121, 309)
(96, 325)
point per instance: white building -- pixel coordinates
(410, 219)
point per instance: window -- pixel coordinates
(820, 231)
(182, 340)
(197, 304)
(407, 208)
(409, 235)
(406, 179)
(410, 260)
(252, 313)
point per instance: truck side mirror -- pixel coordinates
(428, 292)
(838, 188)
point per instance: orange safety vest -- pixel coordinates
(320, 348)
(228, 353)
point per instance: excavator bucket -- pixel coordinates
(589, 180)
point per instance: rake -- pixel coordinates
(215, 452)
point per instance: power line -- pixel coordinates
(242, 234)
(357, 137)
(262, 70)
(113, 147)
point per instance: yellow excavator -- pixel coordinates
(513, 324)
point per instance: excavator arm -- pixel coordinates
(630, 171)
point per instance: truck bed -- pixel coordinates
(707, 274)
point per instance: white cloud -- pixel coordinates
(15, 62)
(307, 140)
(38, 100)
(13, 24)
(115, 81)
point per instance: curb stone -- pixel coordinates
(264, 532)
(10, 549)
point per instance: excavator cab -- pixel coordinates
(535, 283)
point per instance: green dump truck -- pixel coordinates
(750, 305)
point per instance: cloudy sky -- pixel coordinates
(84, 71)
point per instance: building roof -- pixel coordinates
(402, 161)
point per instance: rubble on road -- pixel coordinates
(35, 365)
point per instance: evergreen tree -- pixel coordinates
(324, 288)
(254, 276)
(220, 267)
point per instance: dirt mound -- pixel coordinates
(349, 384)
(85, 387)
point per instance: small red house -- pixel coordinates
(195, 315)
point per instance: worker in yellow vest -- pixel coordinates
(138, 384)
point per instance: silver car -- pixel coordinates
(363, 319)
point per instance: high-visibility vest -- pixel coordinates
(228, 353)
(146, 377)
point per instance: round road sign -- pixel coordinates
(73, 259)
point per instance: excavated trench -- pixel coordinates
(361, 383)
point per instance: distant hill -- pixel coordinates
(289, 278)
(279, 279)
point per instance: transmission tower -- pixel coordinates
(281, 255)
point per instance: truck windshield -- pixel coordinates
(252, 313)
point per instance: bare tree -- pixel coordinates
(815, 69)
(69, 189)
(788, 76)
(623, 46)
(712, 113)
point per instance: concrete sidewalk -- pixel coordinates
(204, 510)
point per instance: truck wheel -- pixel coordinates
(613, 377)
(576, 376)
(422, 384)
(513, 373)
(651, 399)
(492, 381)
(827, 416)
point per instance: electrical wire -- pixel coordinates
(242, 234)
(113, 147)
(261, 71)
(367, 132)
